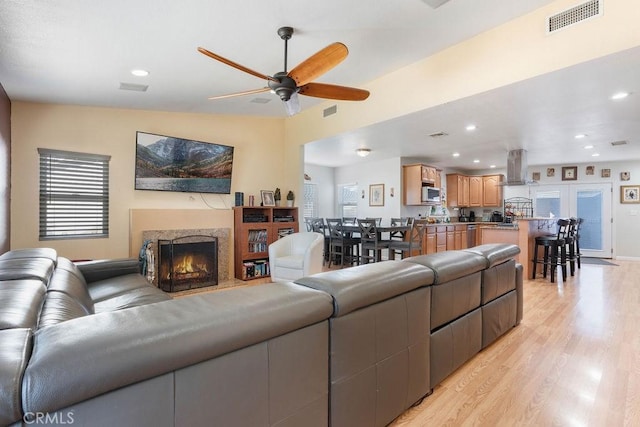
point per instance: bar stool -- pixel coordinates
(552, 245)
(571, 240)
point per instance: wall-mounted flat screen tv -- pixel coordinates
(167, 163)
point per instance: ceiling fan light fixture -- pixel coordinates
(363, 152)
(292, 105)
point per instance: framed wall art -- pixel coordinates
(630, 194)
(569, 173)
(589, 170)
(376, 195)
(605, 173)
(551, 172)
(625, 176)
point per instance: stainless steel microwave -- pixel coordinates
(430, 195)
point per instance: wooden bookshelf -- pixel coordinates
(255, 228)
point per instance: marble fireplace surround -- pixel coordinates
(151, 224)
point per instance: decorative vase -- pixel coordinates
(290, 203)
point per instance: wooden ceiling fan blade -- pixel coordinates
(246, 92)
(319, 63)
(344, 93)
(235, 65)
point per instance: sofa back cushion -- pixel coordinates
(27, 268)
(20, 303)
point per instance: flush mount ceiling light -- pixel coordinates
(138, 72)
(363, 152)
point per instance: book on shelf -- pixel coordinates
(285, 231)
(252, 269)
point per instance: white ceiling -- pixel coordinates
(79, 52)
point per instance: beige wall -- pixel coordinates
(269, 151)
(258, 164)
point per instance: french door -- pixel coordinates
(591, 202)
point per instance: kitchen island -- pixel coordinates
(522, 233)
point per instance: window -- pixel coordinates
(310, 201)
(74, 195)
(348, 202)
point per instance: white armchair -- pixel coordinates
(296, 255)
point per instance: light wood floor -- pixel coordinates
(573, 361)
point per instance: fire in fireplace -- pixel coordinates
(187, 262)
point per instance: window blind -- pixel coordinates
(74, 195)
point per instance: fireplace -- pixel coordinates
(187, 262)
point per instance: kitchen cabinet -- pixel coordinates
(457, 190)
(414, 177)
(441, 238)
(475, 191)
(430, 246)
(492, 190)
(451, 237)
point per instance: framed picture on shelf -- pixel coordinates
(376, 195)
(569, 173)
(630, 194)
(267, 198)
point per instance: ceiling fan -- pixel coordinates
(287, 85)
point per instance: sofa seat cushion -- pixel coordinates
(290, 261)
(27, 268)
(133, 298)
(108, 288)
(20, 303)
(495, 253)
(450, 265)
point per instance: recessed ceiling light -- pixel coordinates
(471, 127)
(456, 154)
(476, 161)
(492, 166)
(595, 154)
(580, 136)
(620, 95)
(588, 147)
(139, 72)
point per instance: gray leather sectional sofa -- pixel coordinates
(95, 344)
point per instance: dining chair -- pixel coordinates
(318, 226)
(371, 244)
(377, 220)
(349, 220)
(413, 241)
(349, 246)
(401, 234)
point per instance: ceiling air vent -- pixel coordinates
(329, 111)
(438, 134)
(614, 143)
(134, 87)
(574, 15)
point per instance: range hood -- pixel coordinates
(517, 167)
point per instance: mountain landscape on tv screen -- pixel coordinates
(180, 158)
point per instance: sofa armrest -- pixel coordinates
(107, 268)
(85, 357)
